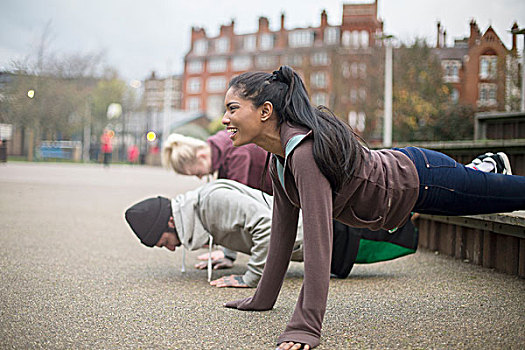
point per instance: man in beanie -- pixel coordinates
(223, 212)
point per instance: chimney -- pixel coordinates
(264, 24)
(514, 45)
(444, 38)
(438, 39)
(324, 19)
(282, 21)
(474, 34)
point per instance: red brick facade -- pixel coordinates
(477, 68)
(321, 55)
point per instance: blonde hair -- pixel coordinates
(178, 151)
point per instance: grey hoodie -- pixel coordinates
(237, 216)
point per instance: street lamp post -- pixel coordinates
(387, 119)
(522, 31)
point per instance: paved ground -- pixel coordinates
(74, 276)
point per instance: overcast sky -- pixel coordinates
(141, 36)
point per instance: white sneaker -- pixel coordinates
(494, 163)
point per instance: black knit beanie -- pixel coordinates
(149, 219)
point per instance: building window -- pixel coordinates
(364, 38)
(488, 67)
(320, 59)
(240, 63)
(215, 105)
(362, 70)
(318, 80)
(357, 120)
(216, 84)
(355, 39)
(249, 42)
(451, 70)
(354, 69)
(487, 94)
(217, 65)
(194, 104)
(331, 35)
(362, 94)
(301, 38)
(195, 66)
(200, 47)
(353, 96)
(347, 38)
(194, 85)
(222, 45)
(266, 62)
(454, 95)
(320, 99)
(266, 42)
(294, 60)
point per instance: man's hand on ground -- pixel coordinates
(215, 255)
(219, 264)
(234, 281)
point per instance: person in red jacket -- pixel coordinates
(321, 169)
(106, 147)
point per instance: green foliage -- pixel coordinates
(215, 126)
(106, 92)
(455, 122)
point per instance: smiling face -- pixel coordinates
(242, 119)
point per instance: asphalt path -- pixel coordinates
(73, 276)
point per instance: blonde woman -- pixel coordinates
(190, 156)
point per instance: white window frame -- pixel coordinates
(266, 41)
(451, 70)
(346, 38)
(195, 66)
(331, 35)
(319, 79)
(194, 86)
(488, 94)
(294, 60)
(301, 38)
(488, 67)
(266, 61)
(241, 63)
(222, 45)
(215, 105)
(217, 65)
(320, 59)
(357, 120)
(320, 99)
(216, 84)
(364, 39)
(194, 104)
(249, 42)
(200, 47)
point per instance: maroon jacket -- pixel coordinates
(243, 164)
(380, 194)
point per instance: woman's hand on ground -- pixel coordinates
(219, 264)
(292, 346)
(234, 281)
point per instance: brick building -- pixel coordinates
(332, 60)
(479, 68)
